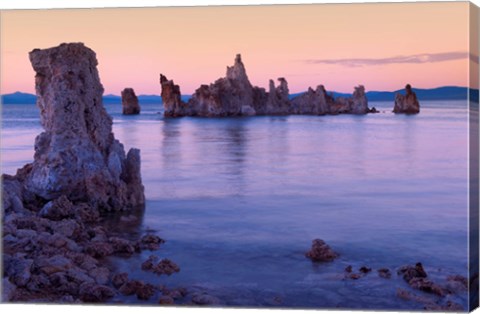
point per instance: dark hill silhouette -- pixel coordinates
(439, 93)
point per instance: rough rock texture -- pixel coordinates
(416, 277)
(77, 155)
(359, 101)
(316, 102)
(53, 245)
(321, 252)
(172, 99)
(407, 103)
(429, 303)
(130, 102)
(278, 102)
(164, 267)
(384, 273)
(205, 299)
(60, 260)
(228, 96)
(234, 95)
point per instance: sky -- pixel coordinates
(381, 46)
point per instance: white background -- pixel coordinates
(81, 309)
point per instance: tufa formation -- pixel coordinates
(130, 102)
(234, 95)
(407, 103)
(77, 156)
(54, 247)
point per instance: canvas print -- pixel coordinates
(315, 156)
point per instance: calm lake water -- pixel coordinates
(239, 200)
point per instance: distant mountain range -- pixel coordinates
(440, 93)
(25, 98)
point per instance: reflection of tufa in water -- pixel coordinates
(234, 95)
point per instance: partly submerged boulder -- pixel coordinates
(407, 103)
(321, 252)
(416, 277)
(77, 155)
(130, 102)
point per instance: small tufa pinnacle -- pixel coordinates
(238, 58)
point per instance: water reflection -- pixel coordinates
(123, 225)
(236, 142)
(224, 148)
(409, 137)
(171, 148)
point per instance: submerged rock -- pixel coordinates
(429, 303)
(166, 300)
(416, 277)
(201, 298)
(150, 242)
(130, 102)
(163, 267)
(384, 273)
(321, 252)
(410, 272)
(457, 283)
(365, 269)
(77, 156)
(407, 103)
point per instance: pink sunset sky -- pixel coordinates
(382, 46)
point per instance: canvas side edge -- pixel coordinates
(473, 191)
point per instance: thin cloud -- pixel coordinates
(413, 59)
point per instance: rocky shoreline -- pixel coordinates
(54, 246)
(438, 296)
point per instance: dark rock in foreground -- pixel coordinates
(407, 103)
(384, 273)
(130, 102)
(416, 277)
(163, 267)
(429, 303)
(234, 95)
(321, 252)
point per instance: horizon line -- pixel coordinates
(304, 91)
